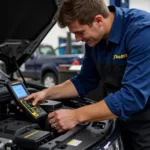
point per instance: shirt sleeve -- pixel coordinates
(135, 91)
(87, 79)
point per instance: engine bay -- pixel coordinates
(29, 129)
(19, 132)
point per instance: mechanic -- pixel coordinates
(118, 55)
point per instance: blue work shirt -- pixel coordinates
(130, 37)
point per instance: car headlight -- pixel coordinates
(116, 145)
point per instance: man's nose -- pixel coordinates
(78, 38)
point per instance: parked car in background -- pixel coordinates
(44, 62)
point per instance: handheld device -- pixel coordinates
(19, 91)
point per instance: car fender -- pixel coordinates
(49, 68)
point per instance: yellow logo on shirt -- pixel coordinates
(120, 56)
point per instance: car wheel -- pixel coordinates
(49, 80)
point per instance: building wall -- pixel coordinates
(141, 4)
(56, 32)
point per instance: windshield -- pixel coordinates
(46, 50)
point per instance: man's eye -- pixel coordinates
(81, 33)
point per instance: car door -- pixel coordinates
(29, 67)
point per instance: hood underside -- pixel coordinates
(28, 22)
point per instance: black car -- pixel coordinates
(28, 23)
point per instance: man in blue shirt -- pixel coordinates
(118, 55)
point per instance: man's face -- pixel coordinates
(92, 35)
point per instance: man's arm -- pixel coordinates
(95, 112)
(64, 90)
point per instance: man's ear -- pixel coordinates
(99, 19)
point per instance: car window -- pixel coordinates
(46, 50)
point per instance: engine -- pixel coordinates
(19, 132)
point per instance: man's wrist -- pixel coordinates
(80, 116)
(45, 91)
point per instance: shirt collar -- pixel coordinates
(116, 31)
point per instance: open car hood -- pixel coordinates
(28, 22)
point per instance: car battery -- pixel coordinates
(14, 127)
(33, 139)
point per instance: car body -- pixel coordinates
(27, 26)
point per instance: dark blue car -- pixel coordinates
(44, 63)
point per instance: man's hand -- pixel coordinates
(37, 98)
(63, 119)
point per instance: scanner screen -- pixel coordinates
(19, 90)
